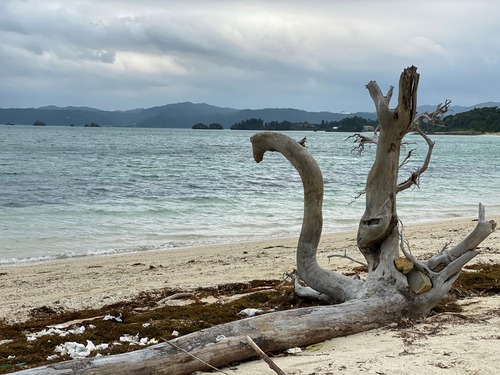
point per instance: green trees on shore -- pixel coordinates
(480, 120)
(476, 121)
(348, 124)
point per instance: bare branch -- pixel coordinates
(361, 140)
(415, 176)
(303, 141)
(345, 256)
(358, 195)
(195, 357)
(482, 230)
(407, 158)
(445, 246)
(381, 102)
(434, 117)
(265, 357)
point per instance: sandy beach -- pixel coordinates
(446, 344)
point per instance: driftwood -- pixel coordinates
(227, 343)
(388, 293)
(265, 357)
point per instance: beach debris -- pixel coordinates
(55, 331)
(76, 350)
(117, 318)
(245, 313)
(180, 295)
(177, 299)
(195, 357)
(294, 351)
(265, 357)
(73, 322)
(136, 340)
(175, 333)
(315, 347)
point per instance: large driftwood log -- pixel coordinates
(227, 343)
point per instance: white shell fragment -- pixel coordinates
(295, 350)
(117, 318)
(250, 312)
(76, 350)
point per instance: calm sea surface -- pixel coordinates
(74, 191)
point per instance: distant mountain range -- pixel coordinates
(182, 115)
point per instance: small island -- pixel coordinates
(92, 125)
(213, 126)
(39, 123)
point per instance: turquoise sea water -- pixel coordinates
(74, 191)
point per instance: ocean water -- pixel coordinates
(74, 191)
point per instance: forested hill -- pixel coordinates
(480, 120)
(484, 117)
(475, 121)
(177, 115)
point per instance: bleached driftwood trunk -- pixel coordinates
(386, 295)
(227, 343)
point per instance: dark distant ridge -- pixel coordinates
(182, 115)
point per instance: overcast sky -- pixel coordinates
(314, 55)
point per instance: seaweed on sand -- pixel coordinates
(148, 317)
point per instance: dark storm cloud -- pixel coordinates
(314, 55)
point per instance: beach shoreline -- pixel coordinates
(95, 281)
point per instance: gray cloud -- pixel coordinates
(314, 55)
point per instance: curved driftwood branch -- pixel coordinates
(337, 287)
